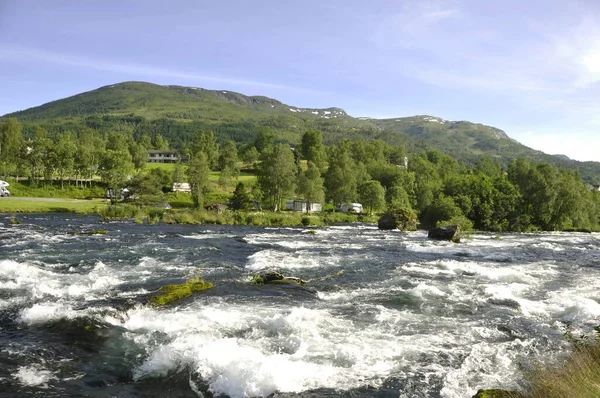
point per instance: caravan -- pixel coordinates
(356, 208)
(3, 191)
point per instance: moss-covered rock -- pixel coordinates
(170, 293)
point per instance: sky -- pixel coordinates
(530, 68)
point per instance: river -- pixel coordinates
(406, 317)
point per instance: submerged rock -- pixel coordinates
(275, 277)
(449, 232)
(497, 394)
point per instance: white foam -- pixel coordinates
(269, 259)
(254, 351)
(486, 366)
(33, 376)
(44, 312)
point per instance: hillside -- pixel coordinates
(177, 113)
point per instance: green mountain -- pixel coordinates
(177, 113)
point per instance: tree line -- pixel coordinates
(429, 185)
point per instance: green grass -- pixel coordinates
(577, 376)
(163, 166)
(18, 205)
(51, 189)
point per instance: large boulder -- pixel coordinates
(387, 222)
(402, 218)
(449, 232)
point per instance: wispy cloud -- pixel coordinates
(413, 24)
(8, 53)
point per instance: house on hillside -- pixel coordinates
(181, 187)
(164, 156)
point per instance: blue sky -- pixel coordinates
(531, 68)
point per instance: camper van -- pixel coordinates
(351, 208)
(3, 190)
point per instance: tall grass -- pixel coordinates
(578, 375)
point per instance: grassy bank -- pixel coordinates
(578, 375)
(52, 189)
(201, 216)
(44, 205)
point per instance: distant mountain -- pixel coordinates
(177, 112)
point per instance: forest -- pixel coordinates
(430, 186)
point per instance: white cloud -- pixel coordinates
(582, 145)
(413, 24)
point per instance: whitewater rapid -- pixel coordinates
(383, 314)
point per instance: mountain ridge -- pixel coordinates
(177, 112)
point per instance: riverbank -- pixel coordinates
(153, 215)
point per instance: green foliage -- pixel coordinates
(118, 211)
(342, 176)
(115, 169)
(372, 195)
(177, 113)
(170, 293)
(406, 219)
(198, 172)
(310, 185)
(312, 149)
(11, 141)
(277, 175)
(240, 199)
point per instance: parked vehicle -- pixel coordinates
(351, 208)
(4, 192)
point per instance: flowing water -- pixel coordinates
(408, 316)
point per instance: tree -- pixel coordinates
(207, 144)
(228, 163)
(64, 156)
(178, 173)
(249, 155)
(11, 140)
(240, 199)
(116, 168)
(312, 149)
(37, 155)
(146, 188)
(341, 176)
(264, 140)
(160, 143)
(277, 175)
(310, 185)
(139, 155)
(198, 172)
(372, 195)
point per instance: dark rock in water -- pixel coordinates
(275, 277)
(401, 218)
(387, 222)
(497, 394)
(445, 233)
(505, 303)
